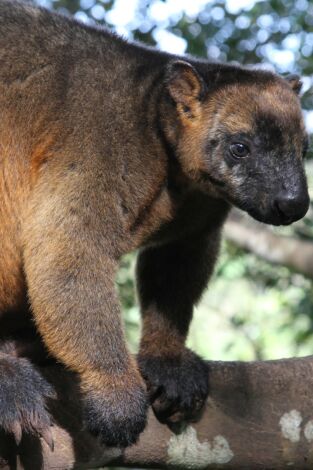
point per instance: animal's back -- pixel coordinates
(29, 47)
(65, 90)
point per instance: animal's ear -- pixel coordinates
(295, 83)
(186, 87)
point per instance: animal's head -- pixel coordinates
(243, 136)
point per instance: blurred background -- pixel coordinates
(259, 304)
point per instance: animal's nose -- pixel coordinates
(292, 206)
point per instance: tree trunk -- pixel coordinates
(259, 239)
(259, 416)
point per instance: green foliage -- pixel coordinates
(126, 287)
(252, 309)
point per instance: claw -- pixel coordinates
(47, 436)
(176, 417)
(17, 432)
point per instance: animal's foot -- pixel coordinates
(116, 415)
(178, 386)
(23, 394)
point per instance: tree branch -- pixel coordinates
(257, 238)
(259, 416)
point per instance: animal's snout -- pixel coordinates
(292, 205)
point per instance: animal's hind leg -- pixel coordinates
(23, 394)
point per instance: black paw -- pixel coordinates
(23, 392)
(117, 417)
(177, 386)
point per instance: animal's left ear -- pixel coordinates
(186, 87)
(295, 83)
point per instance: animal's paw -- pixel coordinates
(117, 416)
(23, 394)
(178, 386)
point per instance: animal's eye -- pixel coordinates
(239, 150)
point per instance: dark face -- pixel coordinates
(268, 179)
(244, 142)
(256, 161)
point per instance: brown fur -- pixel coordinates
(105, 149)
(155, 331)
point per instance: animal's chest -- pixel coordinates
(195, 215)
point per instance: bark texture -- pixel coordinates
(259, 416)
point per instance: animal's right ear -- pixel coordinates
(295, 83)
(187, 88)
